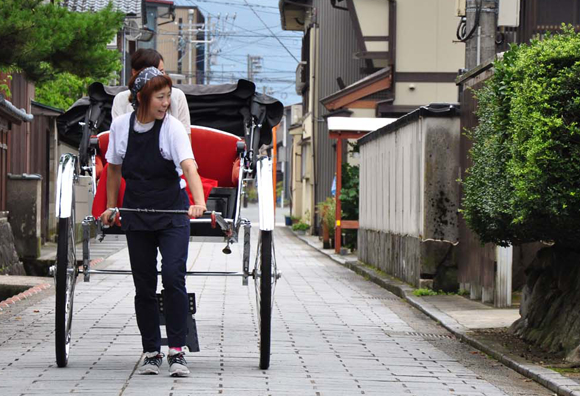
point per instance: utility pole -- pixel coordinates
(254, 66)
(187, 41)
(180, 48)
(481, 27)
(208, 50)
(190, 13)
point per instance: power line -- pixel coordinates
(227, 35)
(240, 5)
(254, 30)
(270, 30)
(244, 71)
(236, 4)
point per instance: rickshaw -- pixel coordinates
(231, 127)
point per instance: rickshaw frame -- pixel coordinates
(252, 167)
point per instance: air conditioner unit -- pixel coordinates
(135, 32)
(295, 114)
(113, 44)
(460, 8)
(301, 77)
(509, 13)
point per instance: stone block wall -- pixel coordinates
(9, 262)
(23, 202)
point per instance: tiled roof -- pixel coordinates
(132, 7)
(13, 114)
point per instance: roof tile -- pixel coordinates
(132, 7)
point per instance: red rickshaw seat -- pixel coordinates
(215, 153)
(100, 160)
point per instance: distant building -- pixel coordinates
(365, 58)
(174, 28)
(286, 150)
(181, 39)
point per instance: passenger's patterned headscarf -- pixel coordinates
(144, 76)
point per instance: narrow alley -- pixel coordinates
(334, 333)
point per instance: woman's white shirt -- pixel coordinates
(174, 143)
(179, 108)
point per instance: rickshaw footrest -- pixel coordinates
(192, 341)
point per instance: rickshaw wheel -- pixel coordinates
(263, 282)
(65, 279)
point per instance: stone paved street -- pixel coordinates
(334, 333)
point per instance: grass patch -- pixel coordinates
(565, 370)
(376, 270)
(424, 292)
(428, 292)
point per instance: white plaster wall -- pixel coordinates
(408, 180)
(391, 177)
(425, 37)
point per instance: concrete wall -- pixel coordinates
(409, 198)
(53, 159)
(9, 262)
(296, 181)
(306, 171)
(430, 264)
(23, 202)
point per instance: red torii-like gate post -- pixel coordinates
(346, 224)
(348, 128)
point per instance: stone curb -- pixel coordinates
(33, 290)
(552, 380)
(24, 295)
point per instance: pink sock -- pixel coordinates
(178, 349)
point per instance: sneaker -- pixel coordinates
(177, 363)
(151, 363)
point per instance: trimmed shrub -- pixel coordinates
(524, 184)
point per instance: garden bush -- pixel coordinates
(327, 212)
(524, 184)
(349, 197)
(300, 226)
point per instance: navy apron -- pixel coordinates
(151, 183)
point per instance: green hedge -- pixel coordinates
(524, 184)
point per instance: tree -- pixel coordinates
(44, 39)
(63, 90)
(524, 184)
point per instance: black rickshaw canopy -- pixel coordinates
(228, 107)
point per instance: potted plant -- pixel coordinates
(301, 228)
(327, 213)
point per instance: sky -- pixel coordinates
(256, 30)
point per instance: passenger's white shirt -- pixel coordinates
(179, 108)
(174, 143)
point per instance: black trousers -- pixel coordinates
(143, 246)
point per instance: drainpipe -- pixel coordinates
(314, 104)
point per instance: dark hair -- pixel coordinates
(142, 58)
(145, 57)
(152, 86)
